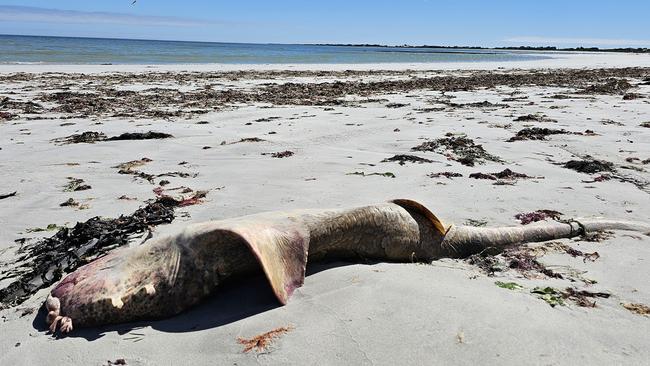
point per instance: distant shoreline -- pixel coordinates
(518, 48)
(367, 45)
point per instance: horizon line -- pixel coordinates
(557, 48)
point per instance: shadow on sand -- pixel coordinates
(231, 302)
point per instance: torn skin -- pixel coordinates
(168, 275)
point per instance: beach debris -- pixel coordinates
(72, 203)
(583, 298)
(268, 119)
(476, 223)
(611, 86)
(589, 166)
(90, 137)
(461, 149)
(534, 118)
(599, 178)
(509, 285)
(632, 96)
(525, 262)
(97, 97)
(261, 342)
(7, 195)
(396, 105)
(608, 122)
(6, 116)
(578, 253)
(505, 174)
(49, 227)
(640, 309)
(151, 135)
(483, 104)
(119, 361)
(482, 176)
(645, 124)
(536, 133)
(76, 185)
(194, 199)
(448, 175)
(460, 337)
(247, 139)
(551, 295)
(127, 167)
(280, 154)
(402, 159)
(597, 236)
(488, 261)
(539, 215)
(363, 174)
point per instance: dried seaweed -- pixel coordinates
(248, 139)
(611, 86)
(461, 149)
(447, 175)
(280, 154)
(87, 137)
(505, 174)
(402, 159)
(396, 105)
(589, 166)
(534, 118)
(552, 296)
(261, 342)
(386, 174)
(6, 116)
(76, 185)
(583, 298)
(536, 133)
(7, 195)
(632, 96)
(539, 215)
(640, 309)
(151, 135)
(509, 285)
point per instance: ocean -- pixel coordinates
(67, 50)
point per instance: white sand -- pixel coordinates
(383, 314)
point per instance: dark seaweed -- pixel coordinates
(403, 159)
(536, 133)
(461, 149)
(589, 166)
(539, 215)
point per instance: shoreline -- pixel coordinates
(560, 60)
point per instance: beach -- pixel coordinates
(477, 143)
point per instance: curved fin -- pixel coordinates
(418, 207)
(280, 244)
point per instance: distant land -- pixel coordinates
(518, 48)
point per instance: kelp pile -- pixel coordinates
(97, 95)
(461, 149)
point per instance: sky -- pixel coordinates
(566, 23)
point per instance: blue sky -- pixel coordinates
(453, 22)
